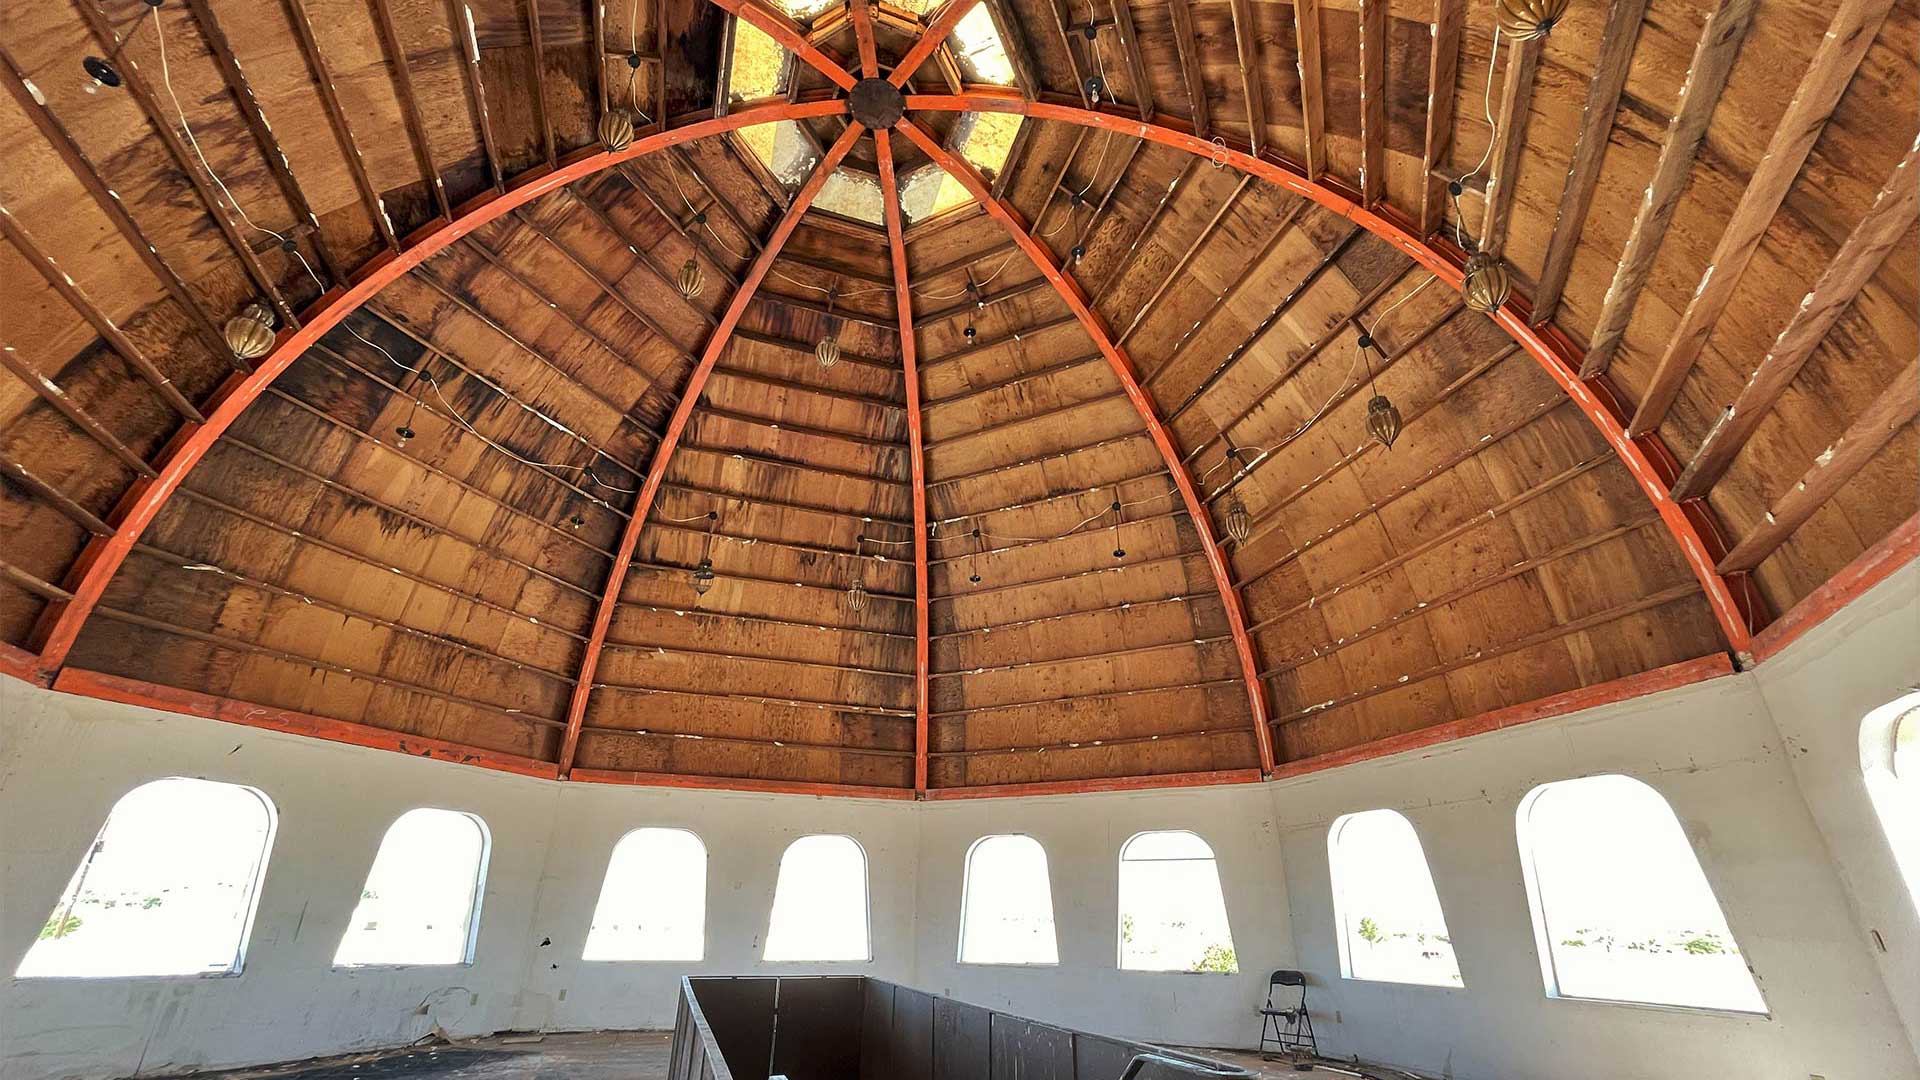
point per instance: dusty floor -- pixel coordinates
(598, 1055)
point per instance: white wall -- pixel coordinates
(1801, 888)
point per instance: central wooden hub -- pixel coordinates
(877, 104)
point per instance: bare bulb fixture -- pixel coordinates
(1383, 420)
(693, 280)
(1525, 20)
(1487, 285)
(250, 333)
(616, 129)
(403, 435)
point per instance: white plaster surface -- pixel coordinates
(1762, 769)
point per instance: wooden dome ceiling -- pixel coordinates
(1652, 450)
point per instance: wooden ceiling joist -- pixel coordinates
(1855, 22)
(1706, 77)
(1374, 17)
(1443, 71)
(1313, 95)
(1246, 41)
(1867, 246)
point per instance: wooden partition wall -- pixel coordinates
(843, 1027)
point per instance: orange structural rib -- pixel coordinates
(935, 33)
(1042, 258)
(1735, 603)
(670, 439)
(60, 623)
(916, 455)
(790, 34)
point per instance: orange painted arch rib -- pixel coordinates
(61, 622)
(1735, 604)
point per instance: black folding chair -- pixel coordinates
(1287, 1025)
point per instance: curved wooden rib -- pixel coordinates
(916, 453)
(1042, 258)
(60, 623)
(1736, 604)
(663, 455)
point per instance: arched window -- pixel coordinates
(421, 902)
(653, 904)
(820, 902)
(1391, 926)
(1890, 758)
(1006, 905)
(168, 887)
(1173, 916)
(1621, 909)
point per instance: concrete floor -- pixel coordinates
(594, 1055)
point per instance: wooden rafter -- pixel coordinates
(1313, 94)
(1136, 57)
(317, 67)
(1443, 71)
(1123, 369)
(1700, 92)
(1894, 409)
(1013, 35)
(1855, 22)
(1246, 43)
(933, 37)
(663, 455)
(1516, 105)
(784, 30)
(1583, 171)
(1191, 69)
(1373, 100)
(1858, 259)
(460, 22)
(537, 56)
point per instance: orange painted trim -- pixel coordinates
(791, 35)
(18, 663)
(104, 687)
(670, 439)
(1673, 676)
(1735, 604)
(1114, 783)
(1875, 565)
(61, 621)
(1076, 300)
(930, 39)
(863, 39)
(736, 783)
(917, 459)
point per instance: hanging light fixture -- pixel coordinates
(973, 570)
(576, 522)
(1487, 284)
(828, 351)
(692, 278)
(1119, 515)
(703, 575)
(1239, 521)
(250, 333)
(616, 129)
(1525, 20)
(1383, 419)
(857, 591)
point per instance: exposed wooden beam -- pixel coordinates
(1516, 106)
(1278, 234)
(1892, 410)
(185, 159)
(1123, 369)
(791, 34)
(1373, 100)
(1246, 43)
(76, 297)
(116, 211)
(1136, 57)
(1855, 23)
(1858, 259)
(676, 427)
(1062, 18)
(537, 54)
(1700, 91)
(1443, 72)
(14, 472)
(934, 36)
(1313, 94)
(465, 39)
(316, 60)
(395, 52)
(863, 39)
(1192, 68)
(49, 392)
(1583, 171)
(1178, 273)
